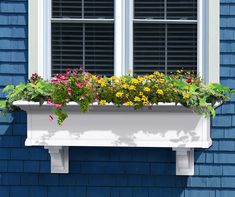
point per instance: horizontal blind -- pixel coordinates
(83, 43)
(181, 47)
(99, 48)
(182, 9)
(98, 8)
(83, 8)
(66, 8)
(149, 48)
(149, 9)
(165, 37)
(67, 46)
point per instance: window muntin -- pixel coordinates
(82, 34)
(165, 41)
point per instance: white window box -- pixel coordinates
(166, 125)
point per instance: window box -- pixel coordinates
(165, 125)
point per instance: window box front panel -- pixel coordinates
(162, 126)
(165, 125)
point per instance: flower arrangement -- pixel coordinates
(85, 89)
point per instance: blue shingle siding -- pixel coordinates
(110, 172)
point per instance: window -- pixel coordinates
(109, 37)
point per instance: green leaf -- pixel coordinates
(212, 111)
(3, 104)
(7, 88)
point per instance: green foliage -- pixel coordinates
(140, 91)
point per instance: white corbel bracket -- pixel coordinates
(184, 161)
(59, 158)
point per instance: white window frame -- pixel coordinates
(208, 38)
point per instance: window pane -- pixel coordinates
(166, 9)
(153, 51)
(71, 49)
(67, 8)
(98, 8)
(182, 9)
(99, 49)
(182, 47)
(149, 48)
(83, 8)
(149, 9)
(67, 46)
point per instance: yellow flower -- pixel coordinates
(129, 103)
(102, 102)
(186, 87)
(146, 89)
(157, 73)
(123, 79)
(179, 71)
(146, 103)
(144, 98)
(137, 99)
(132, 87)
(186, 96)
(141, 93)
(119, 94)
(94, 77)
(140, 79)
(103, 84)
(135, 81)
(125, 86)
(150, 76)
(99, 81)
(112, 78)
(161, 81)
(160, 92)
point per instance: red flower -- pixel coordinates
(189, 80)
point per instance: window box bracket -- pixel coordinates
(184, 161)
(59, 158)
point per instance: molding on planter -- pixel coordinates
(184, 161)
(59, 158)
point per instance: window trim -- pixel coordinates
(208, 38)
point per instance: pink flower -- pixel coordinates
(69, 90)
(79, 84)
(68, 71)
(49, 102)
(54, 80)
(58, 105)
(81, 68)
(50, 117)
(75, 71)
